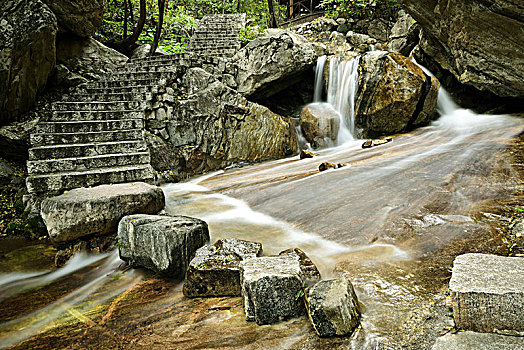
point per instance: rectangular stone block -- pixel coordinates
(271, 289)
(487, 293)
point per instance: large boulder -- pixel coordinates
(27, 54)
(271, 288)
(480, 42)
(97, 211)
(394, 95)
(162, 244)
(333, 307)
(215, 269)
(79, 17)
(273, 62)
(87, 57)
(319, 124)
(487, 293)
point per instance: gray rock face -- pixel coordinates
(333, 308)
(271, 289)
(97, 211)
(310, 273)
(394, 95)
(318, 122)
(161, 243)
(27, 54)
(273, 62)
(478, 341)
(487, 293)
(80, 17)
(479, 42)
(215, 270)
(404, 34)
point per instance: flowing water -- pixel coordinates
(391, 220)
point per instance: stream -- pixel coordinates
(392, 220)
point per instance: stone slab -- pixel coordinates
(478, 341)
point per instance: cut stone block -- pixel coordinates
(215, 270)
(333, 308)
(271, 289)
(163, 244)
(487, 293)
(310, 273)
(478, 341)
(97, 211)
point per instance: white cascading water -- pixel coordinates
(341, 92)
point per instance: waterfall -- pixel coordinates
(319, 78)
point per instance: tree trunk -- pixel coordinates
(272, 19)
(125, 19)
(126, 43)
(161, 10)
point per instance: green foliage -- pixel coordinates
(249, 33)
(360, 9)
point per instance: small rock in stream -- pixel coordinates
(376, 142)
(310, 273)
(215, 269)
(306, 154)
(272, 288)
(333, 308)
(326, 165)
(163, 244)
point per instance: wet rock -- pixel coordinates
(215, 270)
(457, 35)
(310, 273)
(487, 293)
(273, 62)
(271, 289)
(376, 142)
(27, 54)
(318, 122)
(96, 211)
(394, 95)
(367, 144)
(168, 161)
(338, 44)
(333, 308)
(340, 165)
(306, 154)
(326, 165)
(479, 341)
(162, 244)
(63, 255)
(79, 17)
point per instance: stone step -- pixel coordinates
(88, 126)
(35, 167)
(58, 182)
(86, 149)
(213, 35)
(99, 106)
(85, 137)
(107, 97)
(214, 41)
(129, 89)
(126, 83)
(153, 66)
(65, 116)
(142, 75)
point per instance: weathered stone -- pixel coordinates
(338, 44)
(80, 17)
(404, 34)
(487, 293)
(142, 51)
(27, 54)
(319, 121)
(97, 211)
(378, 30)
(479, 341)
(273, 62)
(6, 173)
(326, 165)
(479, 42)
(162, 244)
(271, 289)
(360, 42)
(333, 307)
(306, 154)
(394, 95)
(310, 273)
(215, 270)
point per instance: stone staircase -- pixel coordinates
(96, 134)
(217, 35)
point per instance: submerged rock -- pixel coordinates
(306, 154)
(163, 244)
(318, 122)
(215, 269)
(271, 289)
(333, 308)
(394, 95)
(27, 54)
(273, 62)
(97, 211)
(487, 293)
(310, 273)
